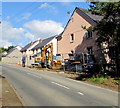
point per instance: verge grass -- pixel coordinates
(98, 80)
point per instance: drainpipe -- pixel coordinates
(83, 58)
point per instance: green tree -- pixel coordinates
(10, 47)
(108, 29)
(2, 49)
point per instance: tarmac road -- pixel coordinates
(41, 88)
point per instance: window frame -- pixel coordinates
(90, 51)
(72, 38)
(89, 34)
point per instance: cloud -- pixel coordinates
(30, 36)
(5, 43)
(43, 29)
(14, 36)
(44, 5)
(10, 33)
(50, 8)
(26, 16)
(66, 3)
(31, 31)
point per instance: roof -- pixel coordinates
(43, 43)
(90, 15)
(27, 46)
(4, 52)
(11, 50)
(94, 17)
(18, 47)
(91, 18)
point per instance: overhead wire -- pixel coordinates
(24, 9)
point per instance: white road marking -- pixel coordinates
(80, 93)
(34, 75)
(60, 85)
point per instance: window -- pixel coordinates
(90, 50)
(58, 54)
(71, 38)
(30, 57)
(89, 34)
(36, 50)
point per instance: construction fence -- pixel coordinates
(94, 63)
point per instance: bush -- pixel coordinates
(117, 82)
(100, 80)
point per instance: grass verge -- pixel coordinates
(100, 80)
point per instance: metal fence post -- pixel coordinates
(63, 63)
(76, 68)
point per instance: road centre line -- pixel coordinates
(34, 75)
(80, 93)
(60, 85)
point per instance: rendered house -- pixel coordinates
(27, 51)
(76, 38)
(37, 50)
(3, 53)
(13, 56)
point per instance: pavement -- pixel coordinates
(9, 95)
(0, 92)
(40, 88)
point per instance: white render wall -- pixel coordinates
(29, 53)
(54, 42)
(14, 57)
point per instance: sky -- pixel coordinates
(23, 22)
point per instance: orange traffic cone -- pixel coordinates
(19, 63)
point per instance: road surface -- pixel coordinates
(41, 88)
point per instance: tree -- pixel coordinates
(10, 47)
(108, 29)
(2, 49)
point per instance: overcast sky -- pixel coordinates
(23, 22)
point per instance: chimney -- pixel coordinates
(31, 43)
(40, 41)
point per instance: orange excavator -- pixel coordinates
(47, 60)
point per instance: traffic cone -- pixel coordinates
(19, 63)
